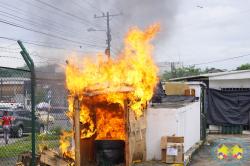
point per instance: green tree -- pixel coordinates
(245, 66)
(181, 72)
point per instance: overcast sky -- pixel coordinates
(193, 31)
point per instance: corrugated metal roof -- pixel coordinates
(202, 76)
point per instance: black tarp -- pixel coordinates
(228, 107)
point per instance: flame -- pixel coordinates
(110, 124)
(65, 145)
(133, 72)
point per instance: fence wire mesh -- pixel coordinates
(51, 107)
(15, 103)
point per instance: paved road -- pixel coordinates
(206, 156)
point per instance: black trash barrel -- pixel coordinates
(109, 152)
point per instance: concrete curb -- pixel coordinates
(189, 154)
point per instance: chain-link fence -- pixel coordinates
(15, 114)
(51, 107)
(33, 104)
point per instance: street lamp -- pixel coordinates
(94, 30)
(107, 50)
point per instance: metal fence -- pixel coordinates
(15, 98)
(36, 106)
(51, 106)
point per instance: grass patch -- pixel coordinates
(43, 137)
(22, 146)
(47, 137)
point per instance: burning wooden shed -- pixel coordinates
(116, 131)
(107, 103)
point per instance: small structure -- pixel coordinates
(234, 80)
(234, 83)
(177, 115)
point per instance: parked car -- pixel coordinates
(21, 122)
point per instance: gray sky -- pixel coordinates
(193, 31)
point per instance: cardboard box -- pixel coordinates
(172, 149)
(170, 139)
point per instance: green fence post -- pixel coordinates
(31, 67)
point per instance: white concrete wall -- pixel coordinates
(184, 121)
(160, 122)
(189, 124)
(234, 83)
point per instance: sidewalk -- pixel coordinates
(207, 154)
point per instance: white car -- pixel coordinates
(43, 116)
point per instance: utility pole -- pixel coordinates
(108, 31)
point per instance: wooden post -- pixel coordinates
(126, 118)
(77, 131)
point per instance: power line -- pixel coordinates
(65, 12)
(80, 6)
(92, 6)
(8, 51)
(48, 22)
(45, 60)
(48, 34)
(29, 22)
(42, 22)
(12, 57)
(42, 19)
(20, 19)
(19, 58)
(7, 48)
(221, 60)
(40, 44)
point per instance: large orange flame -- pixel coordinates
(134, 67)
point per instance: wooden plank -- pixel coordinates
(87, 149)
(20, 164)
(137, 138)
(127, 149)
(51, 158)
(77, 131)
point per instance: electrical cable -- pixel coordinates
(41, 44)
(30, 22)
(92, 6)
(47, 34)
(220, 60)
(65, 12)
